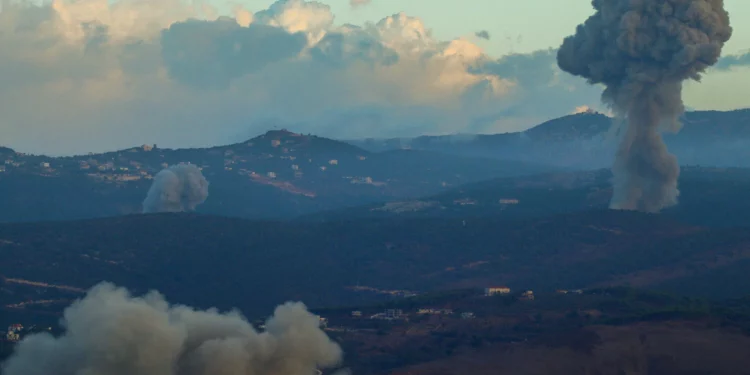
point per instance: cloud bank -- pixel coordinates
(90, 75)
(111, 332)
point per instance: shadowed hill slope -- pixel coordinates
(213, 261)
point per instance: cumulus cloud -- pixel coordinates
(582, 109)
(178, 188)
(92, 75)
(359, 3)
(112, 332)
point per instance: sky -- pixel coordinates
(96, 75)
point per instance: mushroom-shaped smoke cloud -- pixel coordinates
(178, 188)
(111, 332)
(642, 51)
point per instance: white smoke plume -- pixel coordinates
(178, 188)
(642, 51)
(110, 332)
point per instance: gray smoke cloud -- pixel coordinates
(177, 188)
(110, 332)
(484, 34)
(642, 51)
(729, 62)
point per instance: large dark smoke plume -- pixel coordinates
(642, 51)
(110, 332)
(178, 188)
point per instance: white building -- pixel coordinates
(44, 164)
(491, 291)
(14, 332)
(394, 313)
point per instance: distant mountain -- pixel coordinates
(211, 261)
(708, 196)
(588, 140)
(277, 175)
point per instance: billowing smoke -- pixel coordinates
(642, 51)
(110, 332)
(178, 188)
(483, 34)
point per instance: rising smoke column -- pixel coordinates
(178, 188)
(110, 332)
(642, 51)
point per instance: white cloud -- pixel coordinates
(359, 3)
(88, 75)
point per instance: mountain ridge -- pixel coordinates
(276, 175)
(587, 140)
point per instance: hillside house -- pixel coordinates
(2, 168)
(356, 314)
(465, 202)
(491, 291)
(527, 295)
(128, 177)
(14, 332)
(467, 315)
(394, 313)
(389, 314)
(44, 164)
(271, 174)
(575, 291)
(508, 201)
(430, 311)
(333, 162)
(148, 148)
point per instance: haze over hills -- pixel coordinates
(588, 140)
(277, 175)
